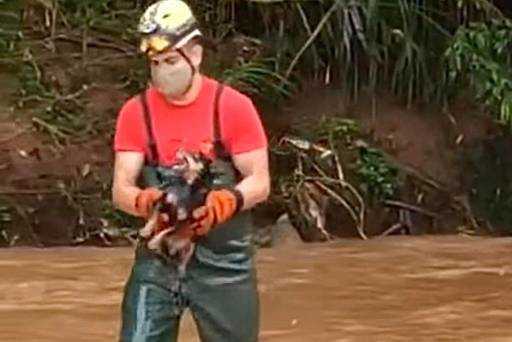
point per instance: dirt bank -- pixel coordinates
(58, 195)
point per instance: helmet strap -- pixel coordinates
(180, 51)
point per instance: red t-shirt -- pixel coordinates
(190, 127)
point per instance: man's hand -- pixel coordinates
(219, 207)
(145, 201)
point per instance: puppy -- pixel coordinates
(185, 189)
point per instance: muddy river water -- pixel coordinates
(395, 289)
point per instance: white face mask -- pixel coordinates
(172, 80)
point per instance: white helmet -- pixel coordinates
(167, 24)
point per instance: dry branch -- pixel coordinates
(312, 37)
(410, 207)
(95, 43)
(392, 229)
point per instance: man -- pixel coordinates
(185, 110)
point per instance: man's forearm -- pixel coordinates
(255, 189)
(124, 198)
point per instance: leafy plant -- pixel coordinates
(480, 54)
(258, 78)
(378, 178)
(336, 130)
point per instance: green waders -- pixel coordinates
(219, 285)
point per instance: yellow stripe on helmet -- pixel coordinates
(155, 43)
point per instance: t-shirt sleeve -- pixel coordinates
(130, 134)
(241, 126)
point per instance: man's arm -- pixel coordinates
(127, 168)
(255, 185)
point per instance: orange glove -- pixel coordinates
(145, 201)
(219, 207)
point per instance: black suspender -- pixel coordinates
(153, 150)
(218, 146)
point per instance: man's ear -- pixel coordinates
(196, 55)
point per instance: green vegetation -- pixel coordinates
(369, 45)
(480, 55)
(258, 78)
(378, 178)
(364, 45)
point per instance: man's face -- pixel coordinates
(172, 57)
(172, 71)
